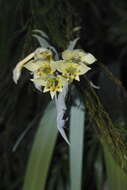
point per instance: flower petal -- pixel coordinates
(39, 82)
(77, 78)
(67, 54)
(38, 87)
(34, 65)
(16, 73)
(43, 53)
(83, 69)
(89, 58)
(46, 89)
(18, 69)
(52, 94)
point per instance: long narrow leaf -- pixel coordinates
(42, 150)
(76, 147)
(116, 177)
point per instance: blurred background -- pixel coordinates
(102, 28)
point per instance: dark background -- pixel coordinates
(103, 33)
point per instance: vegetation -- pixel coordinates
(33, 154)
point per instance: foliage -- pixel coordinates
(103, 32)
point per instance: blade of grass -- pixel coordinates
(41, 154)
(76, 147)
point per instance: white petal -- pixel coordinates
(52, 94)
(39, 82)
(83, 69)
(32, 66)
(77, 78)
(17, 70)
(67, 54)
(38, 87)
(28, 58)
(16, 74)
(46, 90)
(89, 58)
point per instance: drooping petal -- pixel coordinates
(18, 69)
(16, 73)
(26, 59)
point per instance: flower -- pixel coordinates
(71, 70)
(78, 56)
(40, 53)
(40, 67)
(51, 83)
(43, 53)
(53, 75)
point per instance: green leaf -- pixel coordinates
(43, 42)
(98, 166)
(76, 147)
(41, 154)
(72, 44)
(116, 177)
(42, 33)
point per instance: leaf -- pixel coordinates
(43, 43)
(113, 135)
(99, 173)
(55, 52)
(42, 33)
(116, 177)
(41, 154)
(61, 111)
(72, 44)
(24, 133)
(76, 147)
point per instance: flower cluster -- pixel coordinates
(53, 75)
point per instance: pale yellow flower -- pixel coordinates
(71, 70)
(43, 53)
(52, 84)
(40, 53)
(78, 56)
(41, 68)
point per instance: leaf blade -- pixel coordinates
(76, 147)
(42, 150)
(116, 177)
